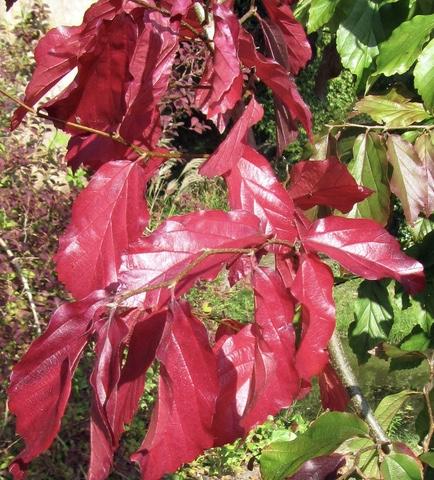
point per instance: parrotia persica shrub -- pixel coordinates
(128, 287)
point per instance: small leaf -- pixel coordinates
(397, 466)
(282, 459)
(424, 75)
(409, 179)
(373, 318)
(320, 12)
(399, 52)
(392, 110)
(369, 168)
(390, 406)
(427, 458)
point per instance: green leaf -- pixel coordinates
(321, 11)
(424, 75)
(369, 168)
(392, 109)
(409, 178)
(424, 147)
(427, 458)
(358, 35)
(402, 48)
(397, 466)
(390, 406)
(373, 318)
(282, 459)
(421, 228)
(368, 460)
(419, 342)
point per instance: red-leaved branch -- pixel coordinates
(128, 287)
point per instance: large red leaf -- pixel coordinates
(275, 77)
(176, 244)
(223, 71)
(325, 182)
(181, 422)
(107, 216)
(58, 52)
(313, 288)
(254, 187)
(297, 44)
(95, 98)
(41, 382)
(366, 249)
(256, 365)
(231, 149)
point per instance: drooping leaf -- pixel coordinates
(177, 243)
(41, 382)
(223, 71)
(397, 466)
(231, 149)
(358, 36)
(392, 109)
(332, 392)
(369, 168)
(366, 249)
(107, 216)
(181, 422)
(424, 147)
(390, 406)
(373, 316)
(254, 187)
(297, 44)
(58, 52)
(320, 468)
(95, 98)
(281, 459)
(424, 75)
(409, 177)
(313, 288)
(320, 12)
(277, 79)
(256, 365)
(413, 33)
(324, 182)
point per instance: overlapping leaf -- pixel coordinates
(325, 182)
(107, 216)
(366, 249)
(41, 381)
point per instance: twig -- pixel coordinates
(379, 127)
(15, 262)
(113, 136)
(426, 392)
(357, 398)
(251, 12)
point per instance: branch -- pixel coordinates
(379, 127)
(15, 262)
(426, 392)
(113, 136)
(251, 12)
(358, 400)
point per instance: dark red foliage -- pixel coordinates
(128, 284)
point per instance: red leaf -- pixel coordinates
(181, 422)
(313, 288)
(231, 149)
(107, 216)
(276, 78)
(181, 7)
(223, 71)
(41, 382)
(177, 243)
(366, 249)
(150, 66)
(58, 52)
(96, 96)
(254, 187)
(320, 468)
(297, 44)
(332, 392)
(256, 365)
(325, 182)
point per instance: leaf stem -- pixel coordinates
(358, 400)
(379, 127)
(251, 12)
(426, 392)
(112, 135)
